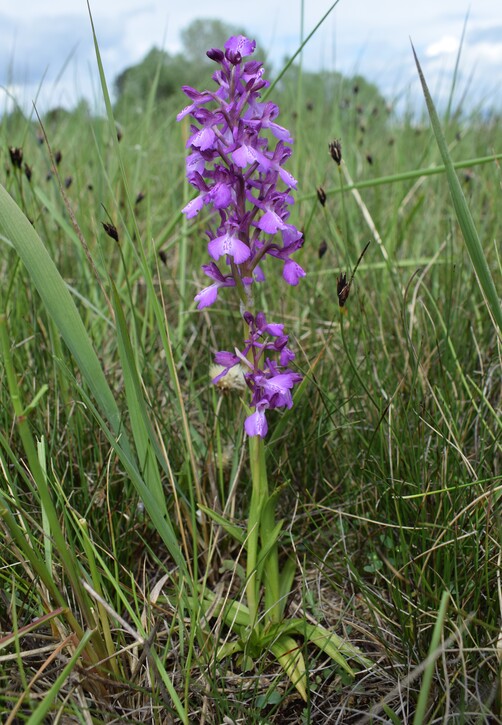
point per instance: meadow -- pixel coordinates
(125, 473)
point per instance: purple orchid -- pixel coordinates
(270, 382)
(238, 174)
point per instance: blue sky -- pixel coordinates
(47, 48)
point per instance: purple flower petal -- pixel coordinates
(256, 424)
(220, 195)
(227, 359)
(240, 44)
(185, 112)
(203, 139)
(270, 222)
(292, 272)
(274, 328)
(193, 207)
(229, 244)
(287, 178)
(207, 296)
(243, 156)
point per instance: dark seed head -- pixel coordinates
(323, 247)
(111, 230)
(342, 289)
(321, 195)
(68, 182)
(58, 156)
(16, 156)
(335, 149)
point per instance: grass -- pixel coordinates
(111, 435)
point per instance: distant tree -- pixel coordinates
(191, 67)
(203, 34)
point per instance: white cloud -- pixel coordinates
(490, 52)
(448, 45)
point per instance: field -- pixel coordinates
(125, 490)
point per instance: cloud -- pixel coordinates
(33, 46)
(493, 34)
(447, 45)
(488, 52)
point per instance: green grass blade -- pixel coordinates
(420, 712)
(144, 436)
(17, 230)
(462, 211)
(40, 714)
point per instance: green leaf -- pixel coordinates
(289, 655)
(335, 647)
(233, 613)
(286, 578)
(395, 719)
(37, 397)
(229, 648)
(235, 531)
(271, 540)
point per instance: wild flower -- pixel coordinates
(236, 164)
(242, 178)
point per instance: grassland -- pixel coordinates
(388, 465)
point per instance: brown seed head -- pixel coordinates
(16, 156)
(111, 230)
(321, 195)
(335, 149)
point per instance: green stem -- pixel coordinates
(258, 494)
(271, 565)
(261, 523)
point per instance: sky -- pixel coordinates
(47, 54)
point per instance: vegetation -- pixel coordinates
(112, 438)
